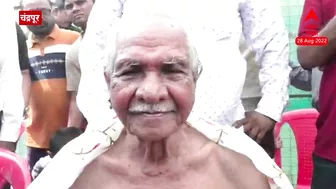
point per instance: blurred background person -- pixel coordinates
(307, 80)
(322, 57)
(49, 101)
(80, 11)
(63, 17)
(11, 99)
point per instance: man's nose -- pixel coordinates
(75, 8)
(152, 90)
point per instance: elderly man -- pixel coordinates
(219, 91)
(152, 81)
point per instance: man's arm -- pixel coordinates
(316, 56)
(265, 32)
(10, 84)
(26, 84)
(300, 78)
(76, 118)
(24, 64)
(73, 75)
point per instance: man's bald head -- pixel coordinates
(152, 29)
(48, 20)
(149, 26)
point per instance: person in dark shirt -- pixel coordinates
(22, 46)
(324, 57)
(57, 142)
(24, 63)
(307, 80)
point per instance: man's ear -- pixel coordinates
(107, 78)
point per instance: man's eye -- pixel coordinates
(130, 72)
(69, 7)
(170, 71)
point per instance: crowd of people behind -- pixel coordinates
(146, 53)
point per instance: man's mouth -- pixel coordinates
(155, 114)
(78, 16)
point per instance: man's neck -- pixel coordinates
(83, 29)
(157, 156)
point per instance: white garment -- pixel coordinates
(216, 27)
(92, 96)
(81, 151)
(11, 98)
(40, 165)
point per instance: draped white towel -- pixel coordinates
(81, 151)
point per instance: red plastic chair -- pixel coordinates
(14, 169)
(302, 122)
(22, 129)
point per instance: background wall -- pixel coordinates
(291, 11)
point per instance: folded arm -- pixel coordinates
(316, 56)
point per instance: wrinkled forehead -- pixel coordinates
(151, 35)
(36, 4)
(153, 25)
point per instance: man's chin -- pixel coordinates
(79, 22)
(152, 134)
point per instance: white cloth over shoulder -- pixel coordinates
(81, 151)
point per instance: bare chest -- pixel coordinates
(209, 177)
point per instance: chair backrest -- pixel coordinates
(14, 169)
(302, 122)
(22, 129)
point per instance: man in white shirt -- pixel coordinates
(217, 27)
(11, 99)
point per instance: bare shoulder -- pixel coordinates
(240, 169)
